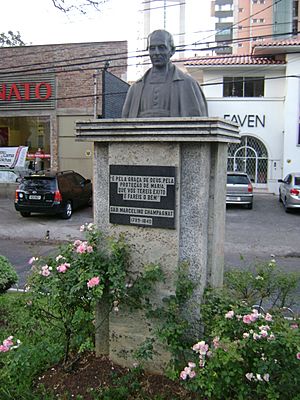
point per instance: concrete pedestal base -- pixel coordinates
(197, 148)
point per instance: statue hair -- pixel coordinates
(168, 34)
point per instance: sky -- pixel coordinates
(39, 22)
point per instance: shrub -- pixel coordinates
(64, 288)
(8, 275)
(247, 352)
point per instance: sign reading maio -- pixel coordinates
(142, 195)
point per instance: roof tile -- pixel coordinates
(295, 41)
(233, 60)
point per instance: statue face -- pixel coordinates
(160, 50)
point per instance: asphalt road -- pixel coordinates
(262, 233)
(251, 235)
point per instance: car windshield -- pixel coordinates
(297, 180)
(237, 179)
(38, 184)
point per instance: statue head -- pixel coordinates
(160, 45)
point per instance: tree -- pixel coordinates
(11, 39)
(77, 5)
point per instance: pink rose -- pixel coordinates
(81, 248)
(8, 342)
(3, 349)
(201, 347)
(268, 317)
(62, 268)
(45, 270)
(93, 282)
(229, 315)
(89, 249)
(32, 260)
(183, 375)
(192, 374)
(247, 319)
(216, 342)
(298, 356)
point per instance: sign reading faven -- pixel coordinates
(142, 195)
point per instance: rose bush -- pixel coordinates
(246, 352)
(63, 288)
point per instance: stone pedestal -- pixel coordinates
(194, 152)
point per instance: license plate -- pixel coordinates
(233, 198)
(34, 197)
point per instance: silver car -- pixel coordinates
(289, 191)
(239, 189)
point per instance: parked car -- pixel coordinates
(49, 192)
(10, 175)
(289, 191)
(239, 189)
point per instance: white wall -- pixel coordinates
(291, 149)
(279, 110)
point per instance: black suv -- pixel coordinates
(53, 193)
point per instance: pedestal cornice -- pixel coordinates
(181, 129)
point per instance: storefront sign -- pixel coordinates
(248, 120)
(11, 157)
(27, 92)
(142, 195)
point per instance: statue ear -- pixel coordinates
(173, 51)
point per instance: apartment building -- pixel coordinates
(240, 23)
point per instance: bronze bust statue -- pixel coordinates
(164, 90)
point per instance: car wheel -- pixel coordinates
(249, 206)
(25, 214)
(279, 198)
(68, 210)
(286, 209)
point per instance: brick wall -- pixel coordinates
(73, 65)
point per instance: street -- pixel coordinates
(251, 235)
(261, 233)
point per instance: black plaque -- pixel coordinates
(142, 195)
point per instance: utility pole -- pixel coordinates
(95, 76)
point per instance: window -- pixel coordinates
(224, 7)
(258, 20)
(225, 19)
(241, 10)
(258, 1)
(243, 86)
(225, 31)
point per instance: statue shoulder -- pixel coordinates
(180, 75)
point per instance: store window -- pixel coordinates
(243, 86)
(33, 132)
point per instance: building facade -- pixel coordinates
(240, 23)
(45, 89)
(261, 93)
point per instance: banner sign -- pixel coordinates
(142, 195)
(12, 157)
